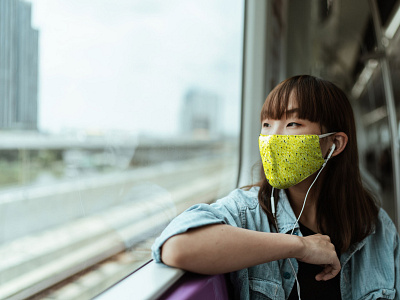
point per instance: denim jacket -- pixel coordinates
(370, 269)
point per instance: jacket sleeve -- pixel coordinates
(225, 211)
(397, 266)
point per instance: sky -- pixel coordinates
(127, 64)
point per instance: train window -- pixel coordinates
(116, 116)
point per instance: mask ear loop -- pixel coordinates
(333, 147)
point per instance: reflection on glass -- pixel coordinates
(116, 116)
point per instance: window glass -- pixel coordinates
(116, 116)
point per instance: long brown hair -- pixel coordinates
(346, 211)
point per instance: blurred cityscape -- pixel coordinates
(102, 181)
(29, 156)
(18, 66)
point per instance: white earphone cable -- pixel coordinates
(297, 220)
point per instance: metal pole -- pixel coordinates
(390, 107)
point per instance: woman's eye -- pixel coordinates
(266, 125)
(293, 124)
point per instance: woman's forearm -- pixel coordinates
(219, 249)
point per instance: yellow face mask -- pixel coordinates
(289, 159)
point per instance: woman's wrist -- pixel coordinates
(290, 246)
(299, 247)
(295, 246)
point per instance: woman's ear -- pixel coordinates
(340, 139)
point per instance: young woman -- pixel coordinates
(308, 228)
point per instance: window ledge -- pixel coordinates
(149, 282)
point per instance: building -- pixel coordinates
(200, 114)
(18, 66)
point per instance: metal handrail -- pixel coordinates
(390, 107)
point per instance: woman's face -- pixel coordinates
(291, 124)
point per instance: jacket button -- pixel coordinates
(286, 275)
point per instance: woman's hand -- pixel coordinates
(318, 250)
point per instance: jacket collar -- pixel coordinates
(345, 257)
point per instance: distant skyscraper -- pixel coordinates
(200, 114)
(18, 66)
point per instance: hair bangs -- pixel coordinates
(303, 94)
(276, 103)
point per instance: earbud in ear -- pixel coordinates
(333, 147)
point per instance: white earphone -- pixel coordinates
(333, 147)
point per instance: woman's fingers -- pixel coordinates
(329, 272)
